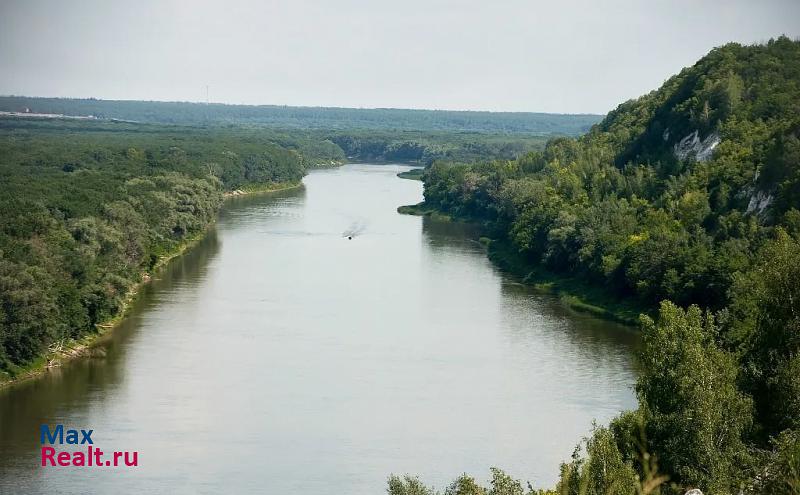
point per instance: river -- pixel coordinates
(278, 356)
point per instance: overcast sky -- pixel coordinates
(548, 56)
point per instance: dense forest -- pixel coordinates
(327, 146)
(327, 118)
(686, 200)
(86, 210)
(425, 147)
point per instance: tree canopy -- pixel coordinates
(684, 199)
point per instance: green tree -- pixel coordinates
(696, 417)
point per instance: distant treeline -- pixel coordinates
(326, 146)
(427, 147)
(308, 117)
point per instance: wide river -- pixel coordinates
(280, 357)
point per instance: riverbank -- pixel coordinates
(413, 174)
(266, 286)
(423, 210)
(573, 292)
(330, 164)
(62, 352)
(262, 188)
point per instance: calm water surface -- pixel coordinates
(280, 357)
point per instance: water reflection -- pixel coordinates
(279, 356)
(67, 394)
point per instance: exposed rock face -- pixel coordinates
(692, 146)
(759, 202)
(694, 491)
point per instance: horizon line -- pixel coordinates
(333, 107)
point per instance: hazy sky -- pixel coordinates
(550, 56)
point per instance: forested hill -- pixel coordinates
(739, 105)
(330, 118)
(689, 197)
(669, 195)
